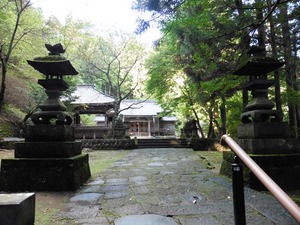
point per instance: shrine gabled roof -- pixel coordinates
(132, 107)
(169, 118)
(88, 94)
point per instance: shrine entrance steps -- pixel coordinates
(162, 143)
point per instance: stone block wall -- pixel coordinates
(109, 144)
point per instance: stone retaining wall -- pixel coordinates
(202, 144)
(109, 144)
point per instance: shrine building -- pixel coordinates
(142, 117)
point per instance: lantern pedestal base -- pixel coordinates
(283, 168)
(263, 131)
(48, 174)
(47, 149)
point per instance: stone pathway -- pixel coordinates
(166, 187)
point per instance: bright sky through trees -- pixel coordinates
(104, 14)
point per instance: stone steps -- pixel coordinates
(162, 143)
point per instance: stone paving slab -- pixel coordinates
(145, 220)
(166, 187)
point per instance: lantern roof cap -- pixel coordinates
(53, 64)
(258, 66)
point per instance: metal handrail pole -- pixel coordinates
(238, 192)
(278, 193)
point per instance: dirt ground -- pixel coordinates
(47, 203)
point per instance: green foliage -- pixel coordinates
(190, 70)
(88, 120)
(291, 96)
(5, 128)
(27, 39)
(78, 40)
(182, 94)
(112, 64)
(13, 111)
(204, 42)
(11, 116)
(37, 94)
(234, 108)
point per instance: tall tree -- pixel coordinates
(201, 42)
(9, 43)
(114, 64)
(290, 66)
(273, 43)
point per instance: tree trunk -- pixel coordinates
(245, 35)
(116, 113)
(223, 117)
(272, 39)
(198, 123)
(4, 57)
(289, 67)
(3, 86)
(211, 132)
(261, 33)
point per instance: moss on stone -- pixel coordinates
(51, 58)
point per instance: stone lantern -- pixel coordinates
(259, 118)
(190, 129)
(263, 134)
(50, 159)
(53, 111)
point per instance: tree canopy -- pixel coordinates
(205, 41)
(190, 71)
(112, 63)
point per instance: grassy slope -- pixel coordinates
(16, 103)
